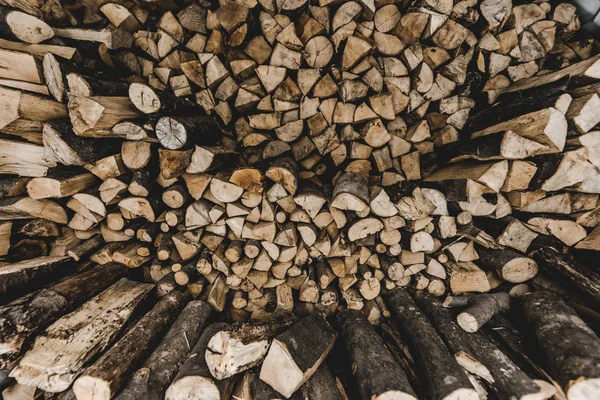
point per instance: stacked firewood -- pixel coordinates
(280, 159)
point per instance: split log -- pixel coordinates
(377, 374)
(239, 348)
(297, 353)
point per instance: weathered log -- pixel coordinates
(443, 376)
(194, 380)
(152, 379)
(296, 354)
(69, 343)
(570, 347)
(377, 373)
(27, 316)
(107, 375)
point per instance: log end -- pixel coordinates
(91, 388)
(468, 322)
(584, 388)
(462, 394)
(193, 388)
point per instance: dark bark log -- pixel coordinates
(107, 375)
(151, 381)
(26, 316)
(584, 279)
(377, 373)
(306, 344)
(478, 355)
(482, 308)
(570, 347)
(194, 381)
(183, 132)
(510, 265)
(15, 278)
(442, 375)
(321, 385)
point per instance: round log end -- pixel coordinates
(395, 395)
(28, 28)
(468, 322)
(144, 98)
(193, 388)
(520, 269)
(584, 389)
(91, 388)
(171, 133)
(462, 394)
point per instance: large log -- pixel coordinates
(443, 376)
(75, 339)
(377, 374)
(570, 347)
(152, 379)
(28, 315)
(297, 353)
(107, 375)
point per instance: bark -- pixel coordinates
(377, 374)
(570, 347)
(442, 375)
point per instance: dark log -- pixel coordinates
(510, 265)
(584, 279)
(107, 375)
(194, 381)
(478, 355)
(377, 374)
(443, 377)
(152, 379)
(482, 308)
(569, 346)
(296, 354)
(183, 132)
(321, 385)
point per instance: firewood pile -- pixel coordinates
(268, 199)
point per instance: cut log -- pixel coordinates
(481, 309)
(106, 376)
(69, 343)
(377, 374)
(443, 376)
(573, 362)
(239, 348)
(194, 380)
(296, 354)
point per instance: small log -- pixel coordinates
(482, 308)
(510, 265)
(183, 132)
(297, 353)
(377, 374)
